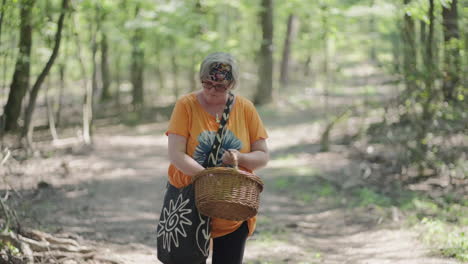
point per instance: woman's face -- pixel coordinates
(214, 91)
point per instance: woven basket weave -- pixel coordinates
(227, 193)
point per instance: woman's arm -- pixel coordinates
(177, 147)
(257, 158)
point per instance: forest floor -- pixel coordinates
(110, 195)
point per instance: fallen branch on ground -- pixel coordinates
(40, 247)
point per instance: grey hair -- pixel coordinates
(219, 57)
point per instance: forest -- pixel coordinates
(364, 102)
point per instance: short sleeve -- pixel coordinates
(256, 129)
(180, 119)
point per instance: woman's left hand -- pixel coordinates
(229, 156)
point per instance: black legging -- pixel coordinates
(229, 249)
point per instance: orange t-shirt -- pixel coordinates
(191, 120)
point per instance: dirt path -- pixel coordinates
(112, 195)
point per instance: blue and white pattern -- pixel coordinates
(206, 139)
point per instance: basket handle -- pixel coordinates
(236, 159)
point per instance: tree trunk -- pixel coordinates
(105, 95)
(94, 48)
(2, 14)
(159, 74)
(326, 60)
(307, 65)
(40, 79)
(290, 32)
(193, 75)
(409, 49)
(175, 73)
(452, 53)
(429, 56)
(137, 76)
(373, 33)
(62, 70)
(50, 112)
(422, 42)
(265, 82)
(137, 66)
(88, 92)
(428, 113)
(20, 82)
(396, 50)
(118, 80)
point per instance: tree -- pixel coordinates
(40, 79)
(104, 46)
(105, 95)
(20, 82)
(2, 14)
(452, 53)
(265, 82)
(137, 66)
(289, 37)
(409, 50)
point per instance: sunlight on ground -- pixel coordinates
(293, 135)
(272, 249)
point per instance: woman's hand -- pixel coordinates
(230, 155)
(257, 158)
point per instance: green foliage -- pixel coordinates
(450, 241)
(365, 197)
(6, 245)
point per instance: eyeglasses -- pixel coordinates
(218, 87)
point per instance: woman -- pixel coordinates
(191, 131)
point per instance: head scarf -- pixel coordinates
(221, 72)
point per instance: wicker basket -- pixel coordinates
(227, 193)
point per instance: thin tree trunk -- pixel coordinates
(326, 63)
(5, 53)
(196, 34)
(95, 28)
(2, 14)
(422, 42)
(105, 95)
(137, 66)
(159, 74)
(40, 79)
(118, 80)
(94, 47)
(290, 32)
(20, 82)
(396, 50)
(452, 61)
(428, 113)
(62, 70)
(307, 65)
(265, 82)
(62, 73)
(373, 32)
(193, 75)
(50, 112)
(409, 49)
(88, 95)
(175, 73)
(429, 56)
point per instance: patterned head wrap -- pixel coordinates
(221, 72)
